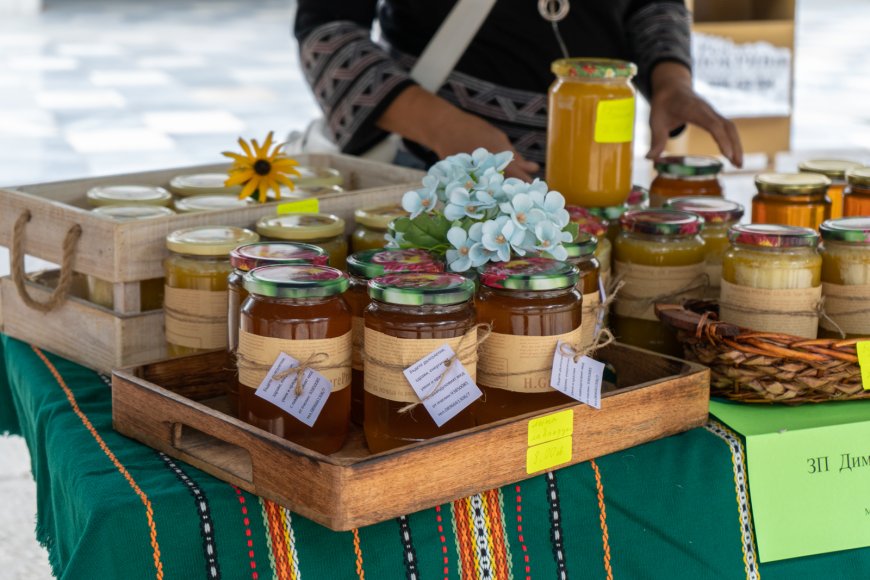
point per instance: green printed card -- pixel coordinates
(809, 475)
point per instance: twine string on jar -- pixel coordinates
(602, 339)
(198, 318)
(314, 362)
(699, 282)
(857, 312)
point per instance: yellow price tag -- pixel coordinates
(548, 455)
(863, 349)
(550, 427)
(614, 121)
(308, 205)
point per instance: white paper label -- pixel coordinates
(305, 407)
(456, 391)
(580, 380)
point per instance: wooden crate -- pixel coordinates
(175, 406)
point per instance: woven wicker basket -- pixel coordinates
(763, 367)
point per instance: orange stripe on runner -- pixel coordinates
(605, 537)
(468, 568)
(500, 566)
(357, 550)
(149, 512)
(277, 530)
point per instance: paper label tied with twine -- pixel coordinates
(386, 358)
(444, 387)
(786, 311)
(521, 364)
(196, 318)
(848, 307)
(359, 331)
(591, 303)
(647, 285)
(279, 388)
(257, 354)
(579, 377)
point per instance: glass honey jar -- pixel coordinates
(793, 199)
(320, 229)
(845, 254)
(660, 257)
(590, 131)
(856, 196)
(581, 253)
(212, 202)
(590, 224)
(297, 310)
(532, 304)
(835, 170)
(101, 291)
(684, 176)
(196, 184)
(362, 267)
(372, 224)
(771, 279)
(244, 259)
(719, 215)
(410, 316)
(197, 272)
(129, 195)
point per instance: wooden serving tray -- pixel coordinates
(176, 405)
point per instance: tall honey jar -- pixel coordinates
(683, 176)
(410, 316)
(771, 279)
(297, 310)
(792, 199)
(362, 267)
(532, 304)
(660, 257)
(372, 224)
(835, 170)
(581, 253)
(320, 229)
(856, 198)
(246, 258)
(845, 254)
(590, 131)
(719, 215)
(197, 272)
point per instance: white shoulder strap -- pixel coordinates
(449, 43)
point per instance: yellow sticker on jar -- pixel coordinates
(863, 349)
(309, 205)
(614, 121)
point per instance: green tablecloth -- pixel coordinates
(109, 507)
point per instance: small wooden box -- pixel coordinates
(175, 406)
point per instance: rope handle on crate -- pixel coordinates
(60, 293)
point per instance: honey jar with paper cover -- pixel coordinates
(684, 176)
(532, 304)
(845, 252)
(660, 257)
(411, 315)
(792, 199)
(835, 170)
(297, 310)
(771, 279)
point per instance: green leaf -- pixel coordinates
(401, 224)
(427, 231)
(572, 229)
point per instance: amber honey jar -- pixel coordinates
(101, 291)
(590, 131)
(590, 224)
(129, 195)
(410, 316)
(197, 272)
(845, 254)
(320, 229)
(581, 253)
(372, 224)
(856, 198)
(685, 175)
(298, 310)
(835, 170)
(719, 215)
(660, 257)
(771, 279)
(792, 199)
(246, 258)
(362, 267)
(531, 304)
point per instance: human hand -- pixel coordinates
(675, 103)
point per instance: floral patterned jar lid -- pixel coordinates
(380, 217)
(638, 198)
(127, 213)
(688, 166)
(217, 202)
(661, 222)
(128, 195)
(301, 226)
(209, 240)
(773, 236)
(855, 230)
(421, 288)
(202, 184)
(536, 274)
(593, 68)
(586, 220)
(296, 281)
(370, 264)
(252, 256)
(859, 176)
(792, 183)
(714, 210)
(833, 169)
(583, 247)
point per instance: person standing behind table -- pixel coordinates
(497, 95)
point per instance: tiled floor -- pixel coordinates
(99, 87)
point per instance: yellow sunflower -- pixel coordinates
(260, 169)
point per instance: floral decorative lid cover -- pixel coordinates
(772, 236)
(714, 210)
(855, 230)
(252, 256)
(585, 245)
(296, 281)
(586, 220)
(661, 222)
(536, 274)
(688, 165)
(421, 288)
(593, 68)
(373, 263)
